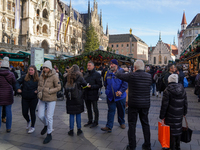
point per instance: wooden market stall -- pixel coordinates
(99, 57)
(15, 59)
(190, 59)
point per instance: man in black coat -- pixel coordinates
(181, 75)
(93, 78)
(171, 70)
(174, 107)
(139, 83)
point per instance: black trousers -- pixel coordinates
(175, 142)
(132, 121)
(89, 104)
(3, 112)
(29, 105)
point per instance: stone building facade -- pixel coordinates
(121, 44)
(40, 22)
(162, 53)
(188, 32)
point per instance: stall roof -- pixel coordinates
(16, 59)
(11, 53)
(46, 56)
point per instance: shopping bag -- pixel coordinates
(186, 135)
(164, 135)
(185, 82)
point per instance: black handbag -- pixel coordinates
(186, 135)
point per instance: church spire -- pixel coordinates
(174, 43)
(100, 17)
(89, 13)
(160, 36)
(70, 3)
(184, 22)
(107, 33)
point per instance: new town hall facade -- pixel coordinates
(39, 25)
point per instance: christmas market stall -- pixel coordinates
(99, 57)
(190, 58)
(15, 59)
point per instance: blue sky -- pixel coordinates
(146, 17)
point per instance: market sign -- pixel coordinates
(37, 57)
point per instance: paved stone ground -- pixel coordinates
(92, 139)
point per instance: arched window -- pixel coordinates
(45, 14)
(38, 28)
(38, 12)
(154, 60)
(44, 29)
(160, 59)
(45, 45)
(165, 60)
(15, 41)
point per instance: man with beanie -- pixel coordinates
(48, 86)
(116, 96)
(91, 95)
(139, 83)
(174, 107)
(7, 80)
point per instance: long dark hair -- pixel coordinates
(35, 76)
(72, 74)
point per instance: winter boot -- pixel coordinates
(47, 139)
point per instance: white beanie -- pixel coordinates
(5, 62)
(173, 78)
(47, 64)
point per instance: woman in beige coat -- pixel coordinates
(48, 86)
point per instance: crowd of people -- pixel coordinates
(123, 87)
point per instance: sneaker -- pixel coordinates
(87, 124)
(47, 139)
(28, 125)
(31, 130)
(153, 94)
(198, 101)
(44, 130)
(3, 120)
(79, 131)
(71, 132)
(100, 99)
(156, 95)
(106, 129)
(123, 126)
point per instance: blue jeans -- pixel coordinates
(120, 105)
(153, 86)
(8, 116)
(71, 121)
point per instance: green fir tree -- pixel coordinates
(92, 42)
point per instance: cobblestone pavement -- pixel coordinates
(92, 139)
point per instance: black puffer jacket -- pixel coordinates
(94, 79)
(76, 105)
(139, 84)
(28, 88)
(174, 107)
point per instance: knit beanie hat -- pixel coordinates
(47, 64)
(114, 61)
(5, 62)
(173, 78)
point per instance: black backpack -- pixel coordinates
(72, 92)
